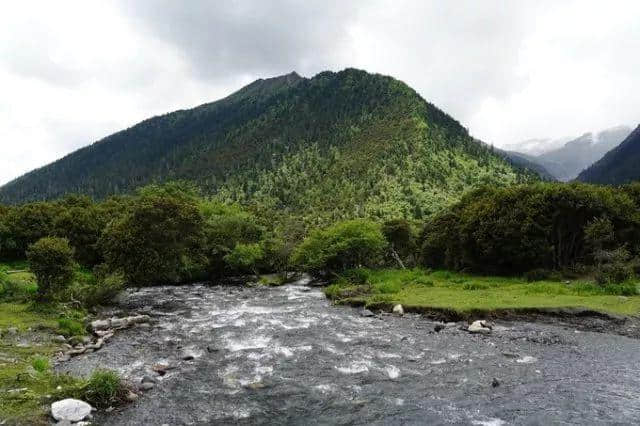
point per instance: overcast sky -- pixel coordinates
(72, 72)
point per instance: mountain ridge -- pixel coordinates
(368, 139)
(619, 166)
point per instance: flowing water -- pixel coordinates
(287, 356)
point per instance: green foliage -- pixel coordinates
(104, 389)
(51, 260)
(225, 227)
(613, 266)
(71, 327)
(245, 257)
(40, 364)
(345, 245)
(516, 229)
(154, 238)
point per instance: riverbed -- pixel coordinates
(285, 355)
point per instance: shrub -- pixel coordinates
(399, 235)
(614, 266)
(343, 246)
(475, 286)
(150, 243)
(40, 364)
(51, 260)
(539, 274)
(70, 327)
(104, 389)
(245, 257)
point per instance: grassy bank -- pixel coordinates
(28, 345)
(462, 293)
(27, 383)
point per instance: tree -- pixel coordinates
(245, 257)
(51, 260)
(399, 234)
(225, 227)
(342, 246)
(156, 239)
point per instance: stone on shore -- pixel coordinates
(72, 410)
(398, 310)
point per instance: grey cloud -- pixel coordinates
(224, 38)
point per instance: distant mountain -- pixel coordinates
(337, 145)
(566, 162)
(528, 162)
(620, 165)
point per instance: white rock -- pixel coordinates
(119, 322)
(100, 324)
(479, 326)
(72, 410)
(398, 310)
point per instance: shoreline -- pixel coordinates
(581, 319)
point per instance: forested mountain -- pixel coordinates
(567, 161)
(621, 165)
(337, 145)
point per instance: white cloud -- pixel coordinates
(72, 72)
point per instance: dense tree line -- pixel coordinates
(523, 228)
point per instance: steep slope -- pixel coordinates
(620, 165)
(337, 145)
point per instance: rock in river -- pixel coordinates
(398, 310)
(72, 410)
(480, 327)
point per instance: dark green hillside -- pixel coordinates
(337, 145)
(620, 165)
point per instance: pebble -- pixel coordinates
(366, 313)
(146, 386)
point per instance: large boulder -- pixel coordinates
(72, 410)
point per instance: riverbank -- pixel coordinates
(448, 296)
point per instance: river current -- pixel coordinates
(285, 355)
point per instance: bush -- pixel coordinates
(614, 266)
(51, 260)
(245, 257)
(40, 364)
(225, 227)
(104, 389)
(343, 246)
(399, 235)
(537, 275)
(151, 242)
(475, 286)
(70, 327)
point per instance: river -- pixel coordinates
(287, 356)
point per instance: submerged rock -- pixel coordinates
(495, 383)
(72, 410)
(367, 313)
(479, 327)
(398, 310)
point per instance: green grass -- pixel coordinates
(104, 388)
(464, 293)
